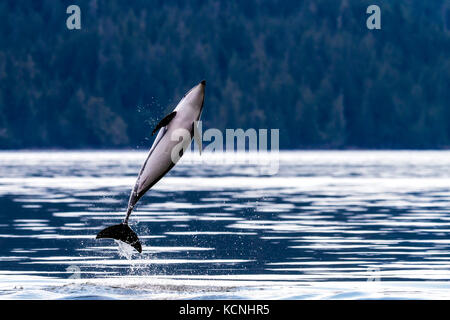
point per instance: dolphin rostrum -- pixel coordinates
(163, 155)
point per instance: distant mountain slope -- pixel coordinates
(310, 68)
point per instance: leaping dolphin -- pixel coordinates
(161, 157)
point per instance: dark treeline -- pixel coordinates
(310, 68)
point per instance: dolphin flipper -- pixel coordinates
(164, 122)
(123, 233)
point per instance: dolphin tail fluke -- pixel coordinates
(123, 233)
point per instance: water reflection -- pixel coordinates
(326, 216)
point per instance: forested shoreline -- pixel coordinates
(310, 68)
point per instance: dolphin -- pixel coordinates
(163, 155)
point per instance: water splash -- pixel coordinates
(124, 249)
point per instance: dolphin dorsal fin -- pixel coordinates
(197, 136)
(165, 121)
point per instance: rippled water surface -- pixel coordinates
(337, 224)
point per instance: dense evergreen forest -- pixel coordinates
(310, 68)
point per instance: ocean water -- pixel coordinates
(294, 225)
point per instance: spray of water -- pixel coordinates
(125, 250)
